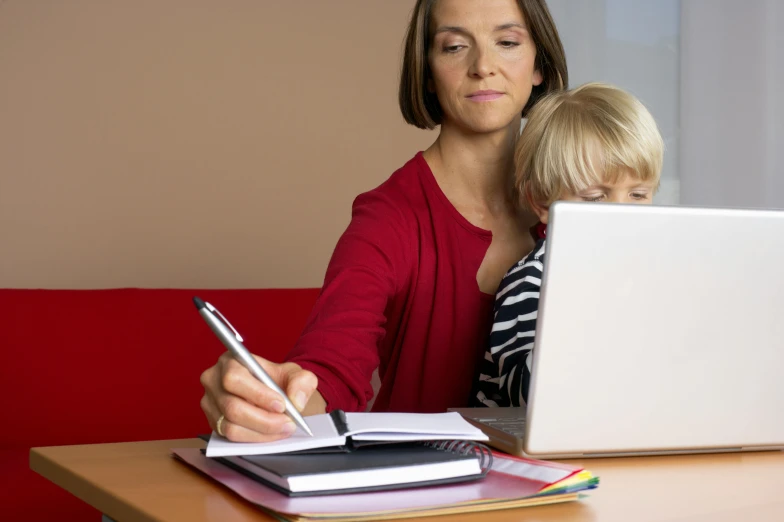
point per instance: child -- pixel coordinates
(592, 143)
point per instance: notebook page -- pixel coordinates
(411, 426)
(414, 437)
(324, 435)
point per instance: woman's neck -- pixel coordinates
(473, 169)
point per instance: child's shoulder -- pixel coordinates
(524, 274)
(533, 259)
(529, 267)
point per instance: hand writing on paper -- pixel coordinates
(251, 411)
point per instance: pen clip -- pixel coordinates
(226, 321)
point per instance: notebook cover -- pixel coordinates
(368, 458)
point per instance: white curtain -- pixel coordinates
(633, 44)
(732, 114)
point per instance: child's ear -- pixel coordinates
(541, 210)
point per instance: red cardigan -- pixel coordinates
(400, 294)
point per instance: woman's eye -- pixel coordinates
(508, 44)
(452, 48)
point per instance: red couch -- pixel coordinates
(92, 366)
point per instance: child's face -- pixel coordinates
(627, 189)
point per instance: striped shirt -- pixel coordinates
(505, 370)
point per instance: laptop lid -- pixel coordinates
(660, 329)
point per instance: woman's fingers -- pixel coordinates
(236, 433)
(210, 410)
(244, 422)
(238, 381)
(232, 431)
(252, 412)
(300, 386)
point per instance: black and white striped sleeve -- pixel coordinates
(505, 371)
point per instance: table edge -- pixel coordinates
(83, 489)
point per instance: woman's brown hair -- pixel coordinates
(420, 107)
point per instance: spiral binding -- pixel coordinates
(466, 447)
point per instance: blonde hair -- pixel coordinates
(577, 138)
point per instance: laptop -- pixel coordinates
(660, 331)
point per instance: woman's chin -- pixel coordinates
(490, 125)
(487, 121)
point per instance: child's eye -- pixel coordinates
(593, 198)
(640, 195)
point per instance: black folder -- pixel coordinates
(366, 468)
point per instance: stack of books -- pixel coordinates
(372, 466)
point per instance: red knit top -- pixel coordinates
(400, 294)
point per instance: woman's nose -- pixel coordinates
(482, 65)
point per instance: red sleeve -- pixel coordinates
(341, 338)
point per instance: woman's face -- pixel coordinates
(482, 61)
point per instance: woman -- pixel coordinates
(410, 286)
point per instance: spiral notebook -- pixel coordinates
(368, 468)
(338, 431)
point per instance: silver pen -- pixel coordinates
(233, 342)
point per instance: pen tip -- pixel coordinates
(199, 303)
(304, 426)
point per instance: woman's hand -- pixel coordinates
(251, 411)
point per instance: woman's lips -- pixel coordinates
(482, 96)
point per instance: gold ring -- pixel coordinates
(219, 424)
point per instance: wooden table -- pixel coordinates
(140, 481)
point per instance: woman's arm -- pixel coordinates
(340, 341)
(332, 363)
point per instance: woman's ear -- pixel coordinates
(537, 78)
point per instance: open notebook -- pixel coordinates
(340, 431)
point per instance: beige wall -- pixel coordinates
(191, 143)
